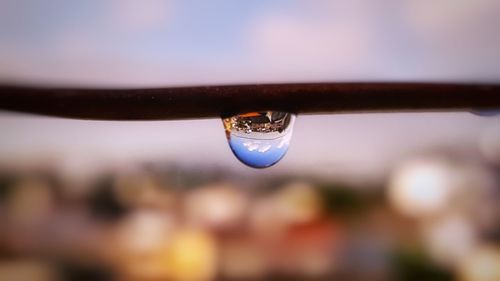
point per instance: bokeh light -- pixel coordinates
(422, 187)
(450, 239)
(482, 265)
(218, 206)
(193, 256)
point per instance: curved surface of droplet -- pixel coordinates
(259, 139)
(487, 113)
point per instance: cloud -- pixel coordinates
(461, 37)
(141, 15)
(360, 40)
(309, 46)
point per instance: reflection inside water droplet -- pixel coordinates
(259, 139)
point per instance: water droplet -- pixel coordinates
(487, 113)
(259, 139)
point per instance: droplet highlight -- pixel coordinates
(259, 139)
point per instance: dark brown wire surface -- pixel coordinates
(216, 101)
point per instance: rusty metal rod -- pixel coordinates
(216, 101)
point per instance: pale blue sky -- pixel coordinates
(161, 43)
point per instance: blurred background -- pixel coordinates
(373, 196)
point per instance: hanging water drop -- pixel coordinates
(486, 113)
(259, 139)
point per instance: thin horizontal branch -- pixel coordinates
(215, 101)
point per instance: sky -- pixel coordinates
(155, 43)
(158, 43)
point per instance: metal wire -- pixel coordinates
(216, 101)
